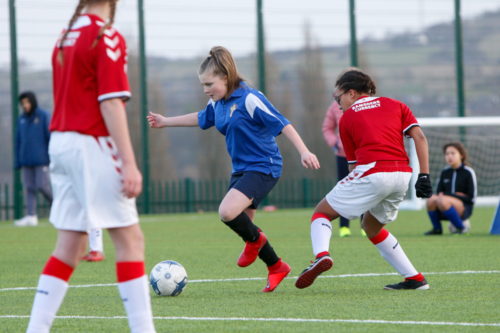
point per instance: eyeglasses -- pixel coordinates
(337, 98)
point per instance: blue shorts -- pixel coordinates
(465, 216)
(253, 184)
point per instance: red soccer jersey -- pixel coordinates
(372, 130)
(88, 76)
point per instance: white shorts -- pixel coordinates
(87, 183)
(380, 193)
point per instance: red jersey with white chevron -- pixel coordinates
(372, 130)
(88, 76)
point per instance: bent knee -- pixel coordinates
(227, 214)
(443, 203)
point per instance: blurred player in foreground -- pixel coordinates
(372, 130)
(250, 124)
(456, 192)
(93, 170)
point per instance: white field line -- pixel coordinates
(349, 321)
(261, 278)
(163, 218)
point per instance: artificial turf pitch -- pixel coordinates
(209, 250)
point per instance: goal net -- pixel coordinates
(481, 137)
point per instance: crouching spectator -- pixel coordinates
(456, 192)
(32, 155)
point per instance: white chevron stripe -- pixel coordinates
(113, 55)
(109, 32)
(112, 43)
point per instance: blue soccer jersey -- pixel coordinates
(250, 123)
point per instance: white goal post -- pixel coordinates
(427, 124)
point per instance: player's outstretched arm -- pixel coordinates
(113, 112)
(308, 159)
(423, 185)
(158, 121)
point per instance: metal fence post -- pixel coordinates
(14, 93)
(261, 55)
(189, 201)
(354, 43)
(459, 67)
(144, 107)
(306, 191)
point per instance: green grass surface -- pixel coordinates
(208, 250)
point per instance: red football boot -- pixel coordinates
(251, 251)
(320, 265)
(93, 256)
(277, 273)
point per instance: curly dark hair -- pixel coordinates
(358, 81)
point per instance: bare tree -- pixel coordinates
(160, 165)
(315, 102)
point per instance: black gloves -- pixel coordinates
(423, 186)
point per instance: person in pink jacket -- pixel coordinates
(332, 138)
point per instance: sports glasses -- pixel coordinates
(337, 98)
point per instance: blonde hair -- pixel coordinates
(76, 14)
(220, 63)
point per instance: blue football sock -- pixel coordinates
(435, 219)
(455, 219)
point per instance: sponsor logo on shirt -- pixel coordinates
(232, 109)
(366, 106)
(446, 180)
(70, 39)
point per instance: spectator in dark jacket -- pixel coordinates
(32, 155)
(456, 192)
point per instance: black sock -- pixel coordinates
(344, 222)
(268, 255)
(244, 227)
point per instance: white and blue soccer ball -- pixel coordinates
(466, 224)
(168, 278)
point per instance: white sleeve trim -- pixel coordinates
(252, 102)
(406, 129)
(473, 174)
(122, 94)
(211, 101)
(352, 162)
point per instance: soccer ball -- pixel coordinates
(466, 224)
(168, 278)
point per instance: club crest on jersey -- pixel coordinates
(232, 109)
(366, 106)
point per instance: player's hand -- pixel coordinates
(132, 181)
(155, 120)
(308, 159)
(423, 186)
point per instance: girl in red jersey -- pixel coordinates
(94, 174)
(371, 130)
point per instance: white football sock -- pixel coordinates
(49, 296)
(137, 302)
(321, 232)
(95, 240)
(394, 254)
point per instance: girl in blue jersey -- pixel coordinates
(250, 124)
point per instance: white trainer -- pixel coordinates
(27, 221)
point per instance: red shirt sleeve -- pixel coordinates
(408, 119)
(112, 80)
(347, 141)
